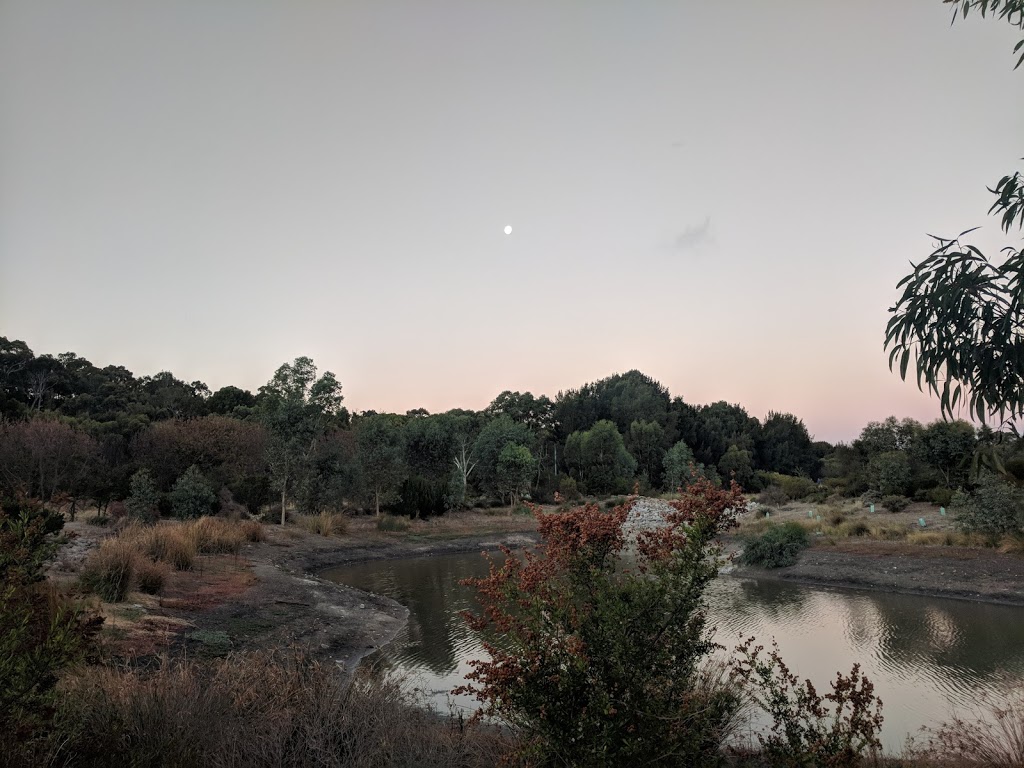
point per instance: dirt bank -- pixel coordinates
(271, 596)
(955, 572)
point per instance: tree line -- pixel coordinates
(80, 433)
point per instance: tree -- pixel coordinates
(516, 466)
(599, 458)
(681, 469)
(143, 497)
(495, 435)
(192, 496)
(948, 446)
(961, 314)
(381, 457)
(889, 473)
(889, 435)
(226, 400)
(784, 445)
(718, 426)
(296, 409)
(645, 441)
(595, 659)
(738, 465)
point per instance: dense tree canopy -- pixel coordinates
(83, 436)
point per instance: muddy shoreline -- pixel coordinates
(272, 596)
(290, 605)
(957, 573)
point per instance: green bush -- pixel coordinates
(942, 497)
(568, 489)
(994, 507)
(40, 633)
(773, 496)
(777, 547)
(895, 503)
(192, 496)
(143, 500)
(795, 488)
(392, 524)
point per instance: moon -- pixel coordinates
(508, 229)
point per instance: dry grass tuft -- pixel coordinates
(324, 524)
(109, 570)
(258, 710)
(171, 544)
(211, 535)
(253, 531)
(392, 524)
(988, 735)
(151, 576)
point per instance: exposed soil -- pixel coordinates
(270, 595)
(968, 573)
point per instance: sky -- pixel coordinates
(722, 195)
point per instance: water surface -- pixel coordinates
(926, 656)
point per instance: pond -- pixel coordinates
(926, 656)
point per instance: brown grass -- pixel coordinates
(109, 570)
(253, 531)
(151, 577)
(171, 544)
(212, 535)
(324, 524)
(989, 735)
(261, 709)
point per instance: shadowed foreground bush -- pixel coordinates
(263, 709)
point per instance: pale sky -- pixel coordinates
(722, 195)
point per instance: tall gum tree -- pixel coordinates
(296, 408)
(961, 315)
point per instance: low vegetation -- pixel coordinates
(777, 547)
(142, 556)
(259, 709)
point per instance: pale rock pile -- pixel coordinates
(645, 515)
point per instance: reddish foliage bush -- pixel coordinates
(597, 640)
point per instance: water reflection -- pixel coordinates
(925, 655)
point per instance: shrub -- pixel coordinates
(830, 731)
(151, 576)
(253, 531)
(109, 570)
(777, 547)
(143, 498)
(795, 488)
(940, 496)
(895, 503)
(40, 633)
(568, 489)
(192, 496)
(325, 524)
(257, 709)
(392, 524)
(855, 528)
(773, 496)
(600, 662)
(212, 535)
(171, 544)
(994, 508)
